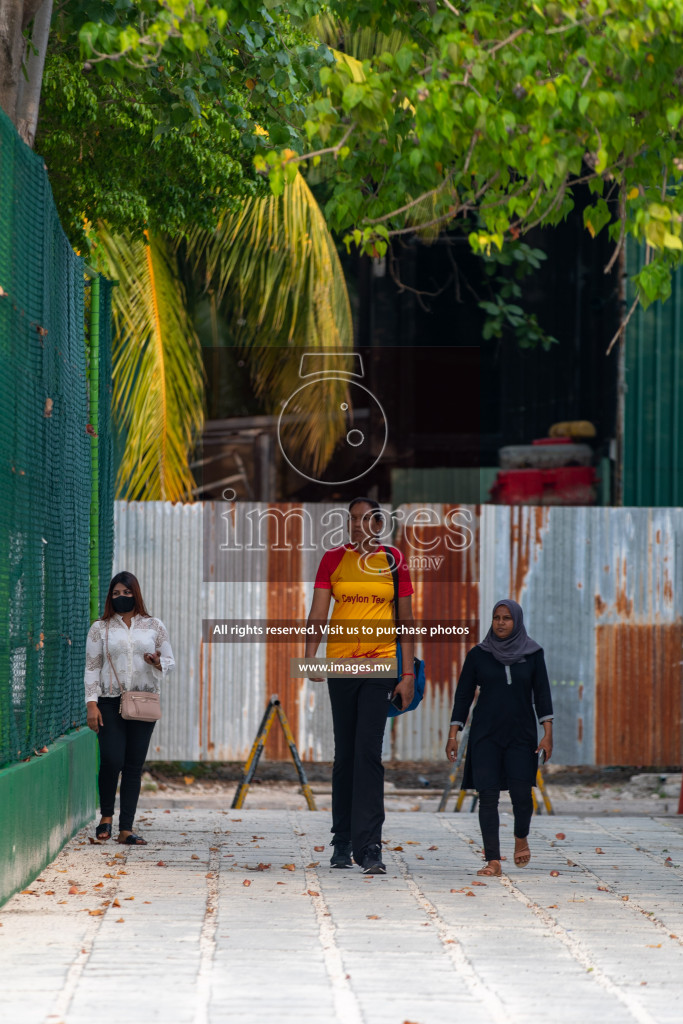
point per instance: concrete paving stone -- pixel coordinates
(526, 947)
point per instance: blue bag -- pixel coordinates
(418, 665)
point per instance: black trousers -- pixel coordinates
(123, 749)
(359, 717)
(522, 806)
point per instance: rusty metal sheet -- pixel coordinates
(601, 588)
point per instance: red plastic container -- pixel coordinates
(518, 487)
(569, 485)
(553, 440)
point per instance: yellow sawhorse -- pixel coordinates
(273, 711)
(539, 784)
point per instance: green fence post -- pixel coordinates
(94, 388)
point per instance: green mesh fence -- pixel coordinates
(45, 455)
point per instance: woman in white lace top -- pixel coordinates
(127, 649)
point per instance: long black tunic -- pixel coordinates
(503, 735)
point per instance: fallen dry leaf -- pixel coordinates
(147, 901)
(312, 892)
(28, 892)
(397, 849)
(657, 945)
(213, 849)
(247, 882)
(372, 917)
(95, 842)
(318, 849)
(412, 842)
(95, 913)
(477, 883)
(129, 897)
(167, 812)
(100, 885)
(470, 893)
(62, 901)
(73, 890)
(313, 864)
(552, 906)
(161, 864)
(673, 936)
(119, 920)
(603, 888)
(560, 835)
(116, 903)
(194, 857)
(554, 873)
(436, 847)
(108, 876)
(289, 867)
(188, 779)
(624, 898)
(281, 883)
(49, 892)
(262, 867)
(598, 850)
(419, 857)
(209, 874)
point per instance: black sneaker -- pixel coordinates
(372, 861)
(341, 858)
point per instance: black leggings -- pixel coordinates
(522, 806)
(123, 749)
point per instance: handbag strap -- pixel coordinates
(121, 688)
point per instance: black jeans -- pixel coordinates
(123, 749)
(359, 716)
(522, 806)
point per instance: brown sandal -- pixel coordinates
(523, 856)
(491, 872)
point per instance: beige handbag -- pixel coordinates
(136, 705)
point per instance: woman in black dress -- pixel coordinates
(509, 669)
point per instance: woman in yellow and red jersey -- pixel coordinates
(359, 578)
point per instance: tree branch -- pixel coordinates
(623, 324)
(322, 152)
(622, 233)
(510, 39)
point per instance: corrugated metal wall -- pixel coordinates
(602, 590)
(653, 404)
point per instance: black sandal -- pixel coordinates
(103, 831)
(132, 840)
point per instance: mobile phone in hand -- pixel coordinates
(397, 702)
(541, 757)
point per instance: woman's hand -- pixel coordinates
(94, 716)
(406, 689)
(154, 659)
(547, 745)
(452, 746)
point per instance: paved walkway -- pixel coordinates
(236, 917)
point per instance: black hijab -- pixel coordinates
(514, 647)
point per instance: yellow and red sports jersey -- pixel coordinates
(363, 591)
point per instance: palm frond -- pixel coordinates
(276, 272)
(157, 369)
(361, 43)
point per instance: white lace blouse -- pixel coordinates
(127, 648)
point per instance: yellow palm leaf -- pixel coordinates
(157, 369)
(276, 272)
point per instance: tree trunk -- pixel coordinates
(15, 16)
(28, 100)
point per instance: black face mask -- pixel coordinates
(123, 604)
